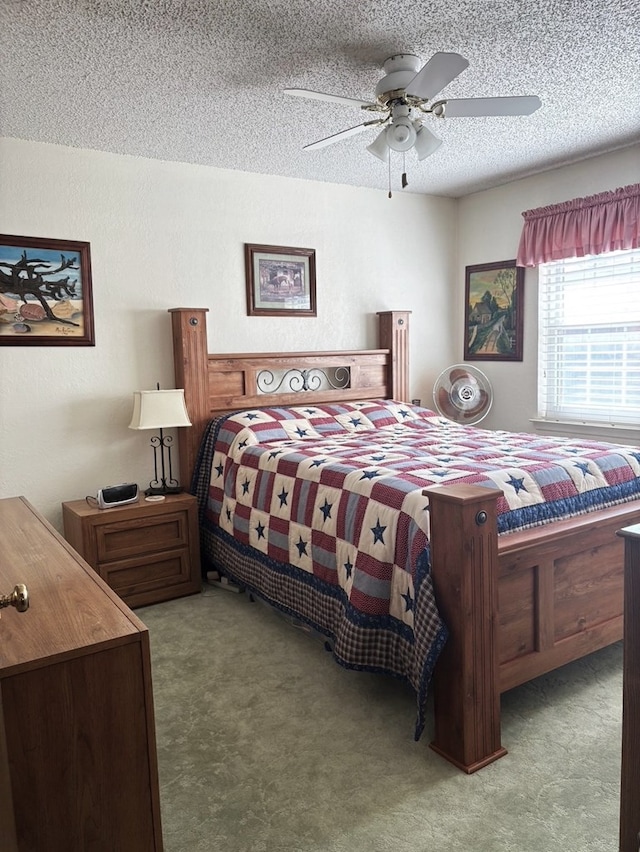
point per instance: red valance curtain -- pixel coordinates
(592, 225)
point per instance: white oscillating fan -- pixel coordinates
(463, 393)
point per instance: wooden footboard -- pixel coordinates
(517, 606)
(466, 682)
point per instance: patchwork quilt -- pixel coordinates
(320, 511)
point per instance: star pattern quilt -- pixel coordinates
(320, 511)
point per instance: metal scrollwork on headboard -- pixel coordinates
(297, 380)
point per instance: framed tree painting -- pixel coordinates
(45, 292)
(281, 281)
(493, 311)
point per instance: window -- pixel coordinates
(589, 339)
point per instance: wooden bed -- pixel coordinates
(516, 606)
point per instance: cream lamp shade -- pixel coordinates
(159, 409)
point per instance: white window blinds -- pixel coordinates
(589, 339)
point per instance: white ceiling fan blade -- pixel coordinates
(321, 96)
(476, 107)
(343, 134)
(439, 71)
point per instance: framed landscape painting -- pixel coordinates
(493, 311)
(45, 292)
(281, 281)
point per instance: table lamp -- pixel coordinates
(160, 409)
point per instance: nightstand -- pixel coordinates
(147, 552)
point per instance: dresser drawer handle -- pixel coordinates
(19, 598)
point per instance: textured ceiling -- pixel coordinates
(200, 81)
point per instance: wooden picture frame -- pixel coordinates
(493, 311)
(281, 281)
(46, 297)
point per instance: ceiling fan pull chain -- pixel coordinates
(405, 182)
(389, 161)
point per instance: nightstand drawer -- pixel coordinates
(150, 578)
(123, 539)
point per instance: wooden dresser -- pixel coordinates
(78, 767)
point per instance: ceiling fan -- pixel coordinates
(405, 94)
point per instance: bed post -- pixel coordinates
(393, 334)
(466, 687)
(189, 329)
(630, 770)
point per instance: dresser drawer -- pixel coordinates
(123, 539)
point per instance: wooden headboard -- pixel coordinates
(217, 384)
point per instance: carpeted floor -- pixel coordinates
(266, 745)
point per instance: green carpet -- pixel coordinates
(265, 744)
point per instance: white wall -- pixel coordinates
(164, 235)
(168, 234)
(489, 227)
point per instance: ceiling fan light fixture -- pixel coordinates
(401, 135)
(426, 143)
(379, 147)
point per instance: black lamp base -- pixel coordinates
(166, 489)
(161, 482)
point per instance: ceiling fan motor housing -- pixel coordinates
(399, 72)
